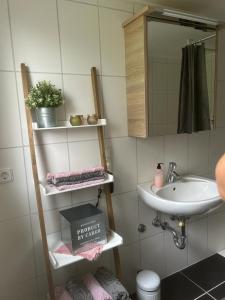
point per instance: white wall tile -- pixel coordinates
(149, 152)
(6, 59)
(14, 198)
(146, 216)
(138, 7)
(84, 155)
(10, 130)
(117, 4)
(60, 201)
(35, 34)
(112, 41)
(78, 95)
(216, 238)
(217, 148)
(17, 257)
(81, 196)
(153, 254)
(130, 262)
(198, 153)
(44, 137)
(125, 208)
(219, 209)
(124, 166)
(52, 158)
(79, 101)
(79, 33)
(52, 221)
(176, 150)
(93, 2)
(42, 286)
(176, 259)
(197, 240)
(81, 134)
(115, 106)
(26, 290)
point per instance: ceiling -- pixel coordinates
(209, 8)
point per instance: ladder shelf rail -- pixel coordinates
(31, 129)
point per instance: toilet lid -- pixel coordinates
(148, 281)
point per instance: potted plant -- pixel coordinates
(44, 98)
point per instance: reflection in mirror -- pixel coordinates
(181, 63)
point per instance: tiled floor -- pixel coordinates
(203, 281)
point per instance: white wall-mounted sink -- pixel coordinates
(192, 195)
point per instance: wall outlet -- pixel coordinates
(6, 175)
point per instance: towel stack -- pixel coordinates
(102, 286)
(70, 180)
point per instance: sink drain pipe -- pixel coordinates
(179, 237)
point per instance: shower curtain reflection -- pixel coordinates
(193, 112)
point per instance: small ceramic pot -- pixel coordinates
(92, 119)
(76, 120)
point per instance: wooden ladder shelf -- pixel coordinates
(26, 86)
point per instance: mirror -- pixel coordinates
(181, 94)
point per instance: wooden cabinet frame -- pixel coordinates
(135, 34)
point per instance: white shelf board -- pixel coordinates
(67, 125)
(49, 190)
(59, 260)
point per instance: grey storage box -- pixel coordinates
(82, 225)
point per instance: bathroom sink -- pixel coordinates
(191, 195)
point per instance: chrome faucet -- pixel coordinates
(172, 175)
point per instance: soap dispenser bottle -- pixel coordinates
(159, 176)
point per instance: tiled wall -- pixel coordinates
(60, 41)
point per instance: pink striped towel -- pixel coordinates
(98, 293)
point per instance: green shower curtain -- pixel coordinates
(193, 114)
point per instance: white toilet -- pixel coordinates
(148, 285)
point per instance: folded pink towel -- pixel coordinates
(64, 249)
(98, 293)
(89, 251)
(51, 176)
(77, 185)
(62, 294)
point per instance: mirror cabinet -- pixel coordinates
(171, 57)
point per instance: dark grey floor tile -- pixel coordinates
(177, 287)
(219, 292)
(207, 273)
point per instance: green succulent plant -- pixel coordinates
(44, 94)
